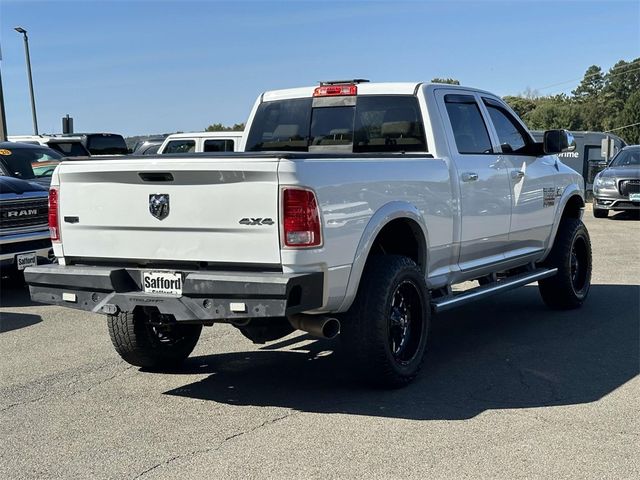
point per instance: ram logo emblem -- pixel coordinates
(159, 205)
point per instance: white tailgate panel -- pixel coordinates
(207, 199)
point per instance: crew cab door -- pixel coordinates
(533, 189)
(482, 177)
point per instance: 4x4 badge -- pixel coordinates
(159, 205)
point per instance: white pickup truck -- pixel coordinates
(354, 208)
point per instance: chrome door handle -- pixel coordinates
(517, 174)
(469, 177)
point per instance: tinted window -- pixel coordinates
(376, 123)
(69, 149)
(106, 144)
(389, 124)
(510, 132)
(469, 129)
(150, 150)
(332, 126)
(218, 145)
(180, 146)
(21, 162)
(281, 125)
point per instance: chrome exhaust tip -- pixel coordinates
(317, 326)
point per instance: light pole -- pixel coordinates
(33, 100)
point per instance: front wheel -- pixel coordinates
(151, 344)
(571, 255)
(385, 331)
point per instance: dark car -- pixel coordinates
(68, 147)
(617, 187)
(149, 146)
(28, 162)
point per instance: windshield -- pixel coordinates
(29, 163)
(371, 123)
(627, 158)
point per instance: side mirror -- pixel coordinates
(558, 141)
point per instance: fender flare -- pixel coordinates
(570, 191)
(383, 216)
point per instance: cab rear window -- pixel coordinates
(371, 123)
(106, 144)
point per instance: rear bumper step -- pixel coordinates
(451, 301)
(206, 296)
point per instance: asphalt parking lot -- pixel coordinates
(509, 390)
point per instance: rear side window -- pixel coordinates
(180, 146)
(69, 149)
(106, 144)
(513, 138)
(468, 127)
(218, 145)
(151, 150)
(369, 123)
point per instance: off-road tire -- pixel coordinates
(600, 212)
(140, 343)
(569, 288)
(367, 327)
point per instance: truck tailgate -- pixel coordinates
(106, 212)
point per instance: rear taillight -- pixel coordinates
(54, 223)
(300, 218)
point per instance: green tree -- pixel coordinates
(622, 80)
(218, 127)
(522, 106)
(591, 84)
(630, 116)
(450, 81)
(552, 113)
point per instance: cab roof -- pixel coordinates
(366, 88)
(230, 133)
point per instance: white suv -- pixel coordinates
(198, 142)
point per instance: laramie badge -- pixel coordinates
(159, 205)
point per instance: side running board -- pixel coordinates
(448, 302)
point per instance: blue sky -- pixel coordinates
(140, 67)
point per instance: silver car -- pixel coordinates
(617, 187)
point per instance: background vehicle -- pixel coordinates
(102, 143)
(355, 208)
(24, 231)
(28, 162)
(149, 146)
(202, 142)
(617, 187)
(67, 146)
(587, 159)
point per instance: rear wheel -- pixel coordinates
(571, 255)
(151, 344)
(385, 331)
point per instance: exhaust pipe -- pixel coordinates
(317, 325)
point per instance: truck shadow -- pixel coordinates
(626, 215)
(14, 321)
(14, 294)
(507, 352)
